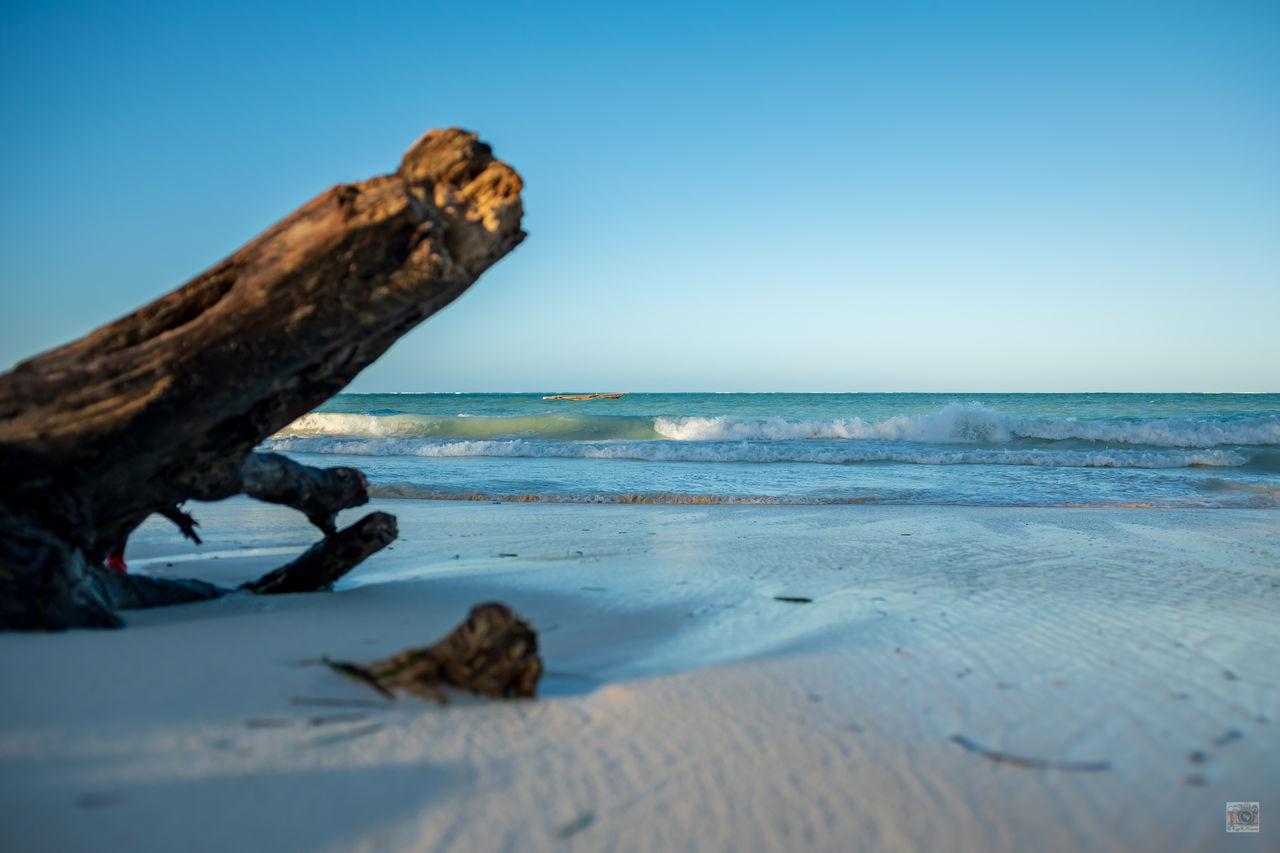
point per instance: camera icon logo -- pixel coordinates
(1244, 817)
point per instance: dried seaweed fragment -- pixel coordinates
(1030, 763)
(576, 825)
(493, 653)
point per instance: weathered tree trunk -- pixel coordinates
(167, 403)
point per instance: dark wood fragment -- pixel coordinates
(185, 522)
(330, 558)
(493, 653)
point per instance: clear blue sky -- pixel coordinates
(737, 196)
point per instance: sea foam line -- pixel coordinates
(975, 423)
(829, 453)
(955, 423)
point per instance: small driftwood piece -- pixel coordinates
(494, 653)
(330, 558)
(168, 403)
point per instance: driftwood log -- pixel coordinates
(168, 403)
(494, 653)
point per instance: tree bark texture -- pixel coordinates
(166, 404)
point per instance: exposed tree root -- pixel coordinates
(168, 403)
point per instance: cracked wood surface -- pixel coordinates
(166, 404)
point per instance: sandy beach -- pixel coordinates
(961, 679)
(871, 408)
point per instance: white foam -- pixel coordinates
(830, 453)
(975, 423)
(955, 423)
(335, 423)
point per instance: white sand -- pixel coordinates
(684, 708)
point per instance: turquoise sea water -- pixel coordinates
(985, 449)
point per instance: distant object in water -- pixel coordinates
(586, 396)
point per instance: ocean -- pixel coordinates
(1136, 450)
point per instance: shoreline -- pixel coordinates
(409, 492)
(684, 705)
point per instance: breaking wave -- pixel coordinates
(956, 423)
(565, 427)
(825, 452)
(977, 424)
